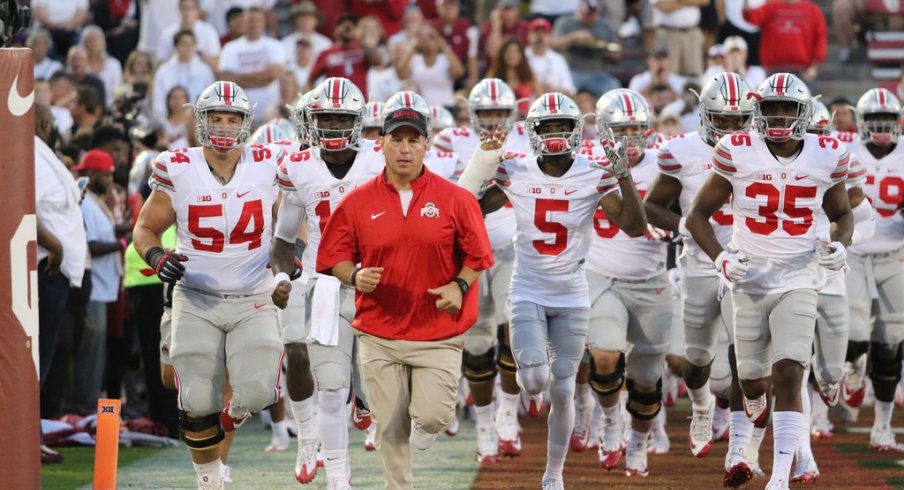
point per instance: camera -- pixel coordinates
(13, 17)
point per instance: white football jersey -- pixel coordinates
(614, 253)
(443, 163)
(689, 159)
(553, 216)
(223, 229)
(835, 284)
(307, 182)
(884, 188)
(774, 206)
(464, 141)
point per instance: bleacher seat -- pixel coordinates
(886, 53)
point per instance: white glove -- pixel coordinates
(732, 266)
(654, 233)
(617, 155)
(682, 228)
(832, 256)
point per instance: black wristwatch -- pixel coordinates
(462, 285)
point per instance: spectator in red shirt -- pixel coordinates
(793, 36)
(460, 34)
(347, 58)
(421, 243)
(505, 21)
(389, 12)
(331, 11)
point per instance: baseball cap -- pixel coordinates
(661, 52)
(734, 42)
(539, 23)
(405, 117)
(716, 50)
(96, 160)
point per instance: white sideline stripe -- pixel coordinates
(866, 430)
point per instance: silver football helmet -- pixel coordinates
(407, 99)
(275, 130)
(549, 107)
(820, 119)
(300, 118)
(441, 118)
(725, 94)
(782, 87)
(491, 94)
(624, 108)
(223, 96)
(341, 97)
(884, 129)
(373, 116)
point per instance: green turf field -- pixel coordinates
(448, 464)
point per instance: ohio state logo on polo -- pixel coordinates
(429, 210)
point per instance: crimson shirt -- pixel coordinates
(444, 231)
(793, 34)
(388, 12)
(343, 61)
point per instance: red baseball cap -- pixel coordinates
(96, 160)
(539, 23)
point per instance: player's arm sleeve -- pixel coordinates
(160, 178)
(841, 169)
(283, 180)
(667, 162)
(471, 234)
(722, 162)
(339, 242)
(864, 222)
(608, 183)
(856, 175)
(442, 141)
(288, 220)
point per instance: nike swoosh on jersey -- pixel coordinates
(19, 105)
(241, 194)
(800, 177)
(375, 216)
(568, 193)
(257, 307)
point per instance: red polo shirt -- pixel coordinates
(443, 232)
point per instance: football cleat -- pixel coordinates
(882, 439)
(454, 428)
(535, 406)
(756, 409)
(701, 435)
(487, 444)
(737, 471)
(361, 415)
(306, 460)
(636, 459)
(509, 432)
(853, 386)
(229, 422)
(370, 438)
(611, 447)
(721, 424)
(580, 436)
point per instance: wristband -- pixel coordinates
(280, 277)
(123, 243)
(153, 256)
(462, 285)
(354, 275)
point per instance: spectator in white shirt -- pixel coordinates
(206, 36)
(302, 61)
(412, 21)
(106, 271)
(40, 42)
(185, 69)
(383, 80)
(659, 71)
(156, 15)
(306, 19)
(62, 245)
(736, 60)
(64, 19)
(216, 11)
(255, 62)
(549, 67)
(63, 94)
(430, 63)
(100, 63)
(174, 123)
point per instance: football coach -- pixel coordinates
(421, 245)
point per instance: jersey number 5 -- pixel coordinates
(541, 220)
(252, 211)
(770, 221)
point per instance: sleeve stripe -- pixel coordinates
(854, 175)
(844, 161)
(669, 168)
(665, 155)
(503, 183)
(285, 184)
(723, 167)
(156, 181)
(722, 153)
(161, 167)
(842, 173)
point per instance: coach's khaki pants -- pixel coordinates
(685, 49)
(408, 381)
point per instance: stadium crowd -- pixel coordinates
(115, 82)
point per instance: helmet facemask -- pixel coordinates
(879, 128)
(551, 136)
(718, 124)
(493, 123)
(791, 125)
(222, 137)
(334, 130)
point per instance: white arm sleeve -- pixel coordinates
(288, 220)
(480, 170)
(864, 223)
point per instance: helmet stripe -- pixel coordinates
(629, 104)
(227, 93)
(780, 84)
(733, 90)
(881, 98)
(335, 91)
(552, 103)
(494, 91)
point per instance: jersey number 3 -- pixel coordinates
(770, 221)
(215, 240)
(541, 220)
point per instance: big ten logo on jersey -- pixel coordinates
(888, 196)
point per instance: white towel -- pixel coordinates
(325, 311)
